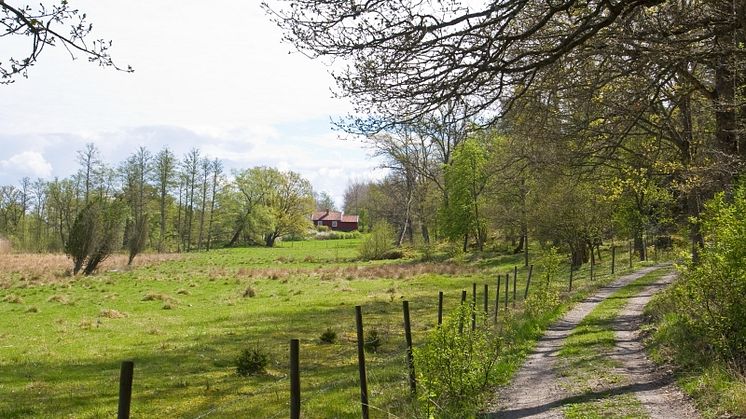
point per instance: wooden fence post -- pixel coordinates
(592, 268)
(361, 361)
(515, 283)
(528, 280)
(440, 308)
(486, 298)
(294, 379)
(461, 318)
(125, 389)
(507, 287)
(410, 354)
(613, 259)
(570, 289)
(630, 254)
(497, 296)
(474, 306)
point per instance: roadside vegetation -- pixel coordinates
(698, 326)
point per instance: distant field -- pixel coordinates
(184, 321)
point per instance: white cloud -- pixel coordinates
(28, 163)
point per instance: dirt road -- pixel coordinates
(537, 392)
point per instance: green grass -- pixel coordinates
(585, 366)
(184, 322)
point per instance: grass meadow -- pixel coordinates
(184, 319)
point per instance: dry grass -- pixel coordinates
(47, 268)
(349, 272)
(112, 314)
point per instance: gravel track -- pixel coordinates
(536, 391)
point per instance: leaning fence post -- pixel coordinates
(410, 354)
(528, 280)
(294, 379)
(361, 361)
(440, 308)
(125, 389)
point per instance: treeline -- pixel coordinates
(159, 201)
(524, 180)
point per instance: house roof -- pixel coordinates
(333, 216)
(349, 218)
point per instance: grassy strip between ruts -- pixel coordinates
(586, 369)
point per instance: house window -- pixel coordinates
(319, 223)
(334, 224)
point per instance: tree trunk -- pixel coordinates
(519, 248)
(425, 233)
(578, 254)
(236, 236)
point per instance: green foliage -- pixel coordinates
(543, 296)
(378, 242)
(454, 368)
(709, 296)
(95, 234)
(466, 179)
(251, 362)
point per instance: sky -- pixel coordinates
(214, 77)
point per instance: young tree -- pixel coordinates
(164, 166)
(466, 179)
(217, 170)
(190, 168)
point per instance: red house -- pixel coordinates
(335, 220)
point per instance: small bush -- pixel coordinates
(455, 368)
(251, 362)
(328, 336)
(249, 292)
(377, 243)
(393, 254)
(372, 341)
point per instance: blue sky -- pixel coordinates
(218, 79)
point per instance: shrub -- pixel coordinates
(251, 362)
(372, 341)
(455, 368)
(710, 293)
(378, 242)
(328, 336)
